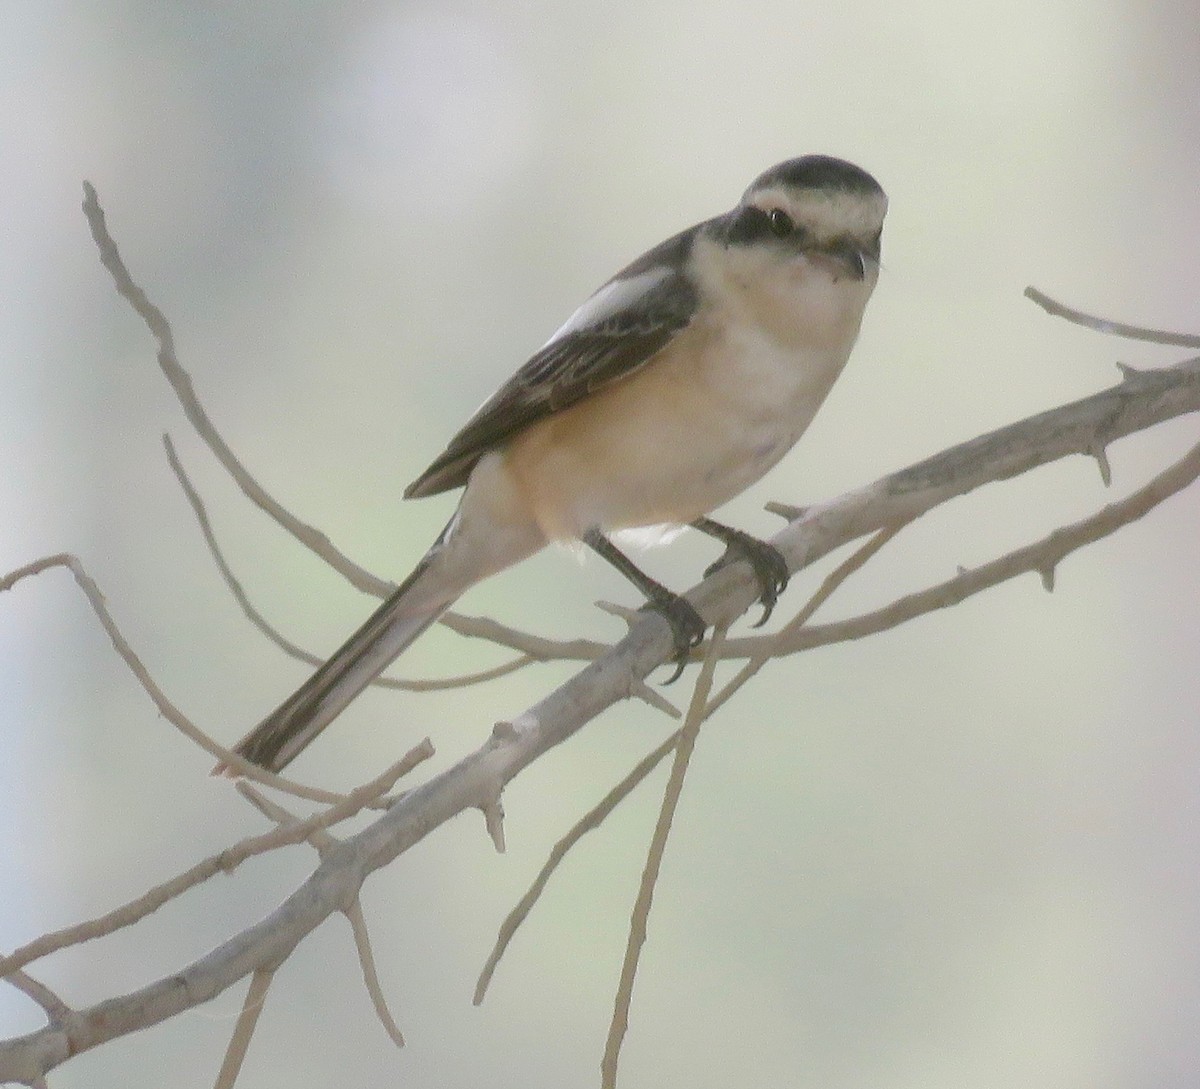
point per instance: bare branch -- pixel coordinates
(536, 646)
(324, 842)
(243, 1030)
(181, 383)
(166, 708)
(771, 644)
(688, 732)
(1085, 427)
(366, 960)
(587, 823)
(309, 536)
(1041, 558)
(1142, 399)
(278, 638)
(1114, 328)
(596, 816)
(319, 839)
(56, 1009)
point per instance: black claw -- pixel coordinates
(770, 568)
(687, 627)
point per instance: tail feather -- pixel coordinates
(491, 530)
(287, 730)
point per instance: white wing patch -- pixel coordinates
(614, 297)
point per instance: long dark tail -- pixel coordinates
(287, 730)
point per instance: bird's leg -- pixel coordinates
(687, 625)
(770, 568)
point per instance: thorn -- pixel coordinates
(1047, 574)
(642, 691)
(961, 570)
(786, 511)
(1128, 373)
(1100, 453)
(493, 819)
(621, 612)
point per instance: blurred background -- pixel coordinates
(961, 854)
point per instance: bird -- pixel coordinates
(675, 386)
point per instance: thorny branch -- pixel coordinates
(1087, 426)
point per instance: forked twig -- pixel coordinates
(1040, 558)
(55, 1008)
(309, 536)
(181, 383)
(323, 842)
(600, 812)
(319, 838)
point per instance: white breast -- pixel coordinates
(707, 417)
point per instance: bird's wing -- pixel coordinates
(617, 331)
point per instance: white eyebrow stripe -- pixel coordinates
(610, 300)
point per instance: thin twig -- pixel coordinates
(56, 1009)
(688, 733)
(311, 537)
(832, 581)
(181, 383)
(366, 960)
(590, 821)
(324, 842)
(243, 1030)
(231, 580)
(234, 585)
(166, 708)
(597, 815)
(319, 838)
(644, 692)
(536, 646)
(1114, 328)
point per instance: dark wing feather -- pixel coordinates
(576, 363)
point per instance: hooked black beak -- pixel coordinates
(849, 256)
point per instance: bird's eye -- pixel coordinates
(781, 222)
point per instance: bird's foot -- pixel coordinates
(687, 626)
(770, 568)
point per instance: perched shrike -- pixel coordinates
(675, 387)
